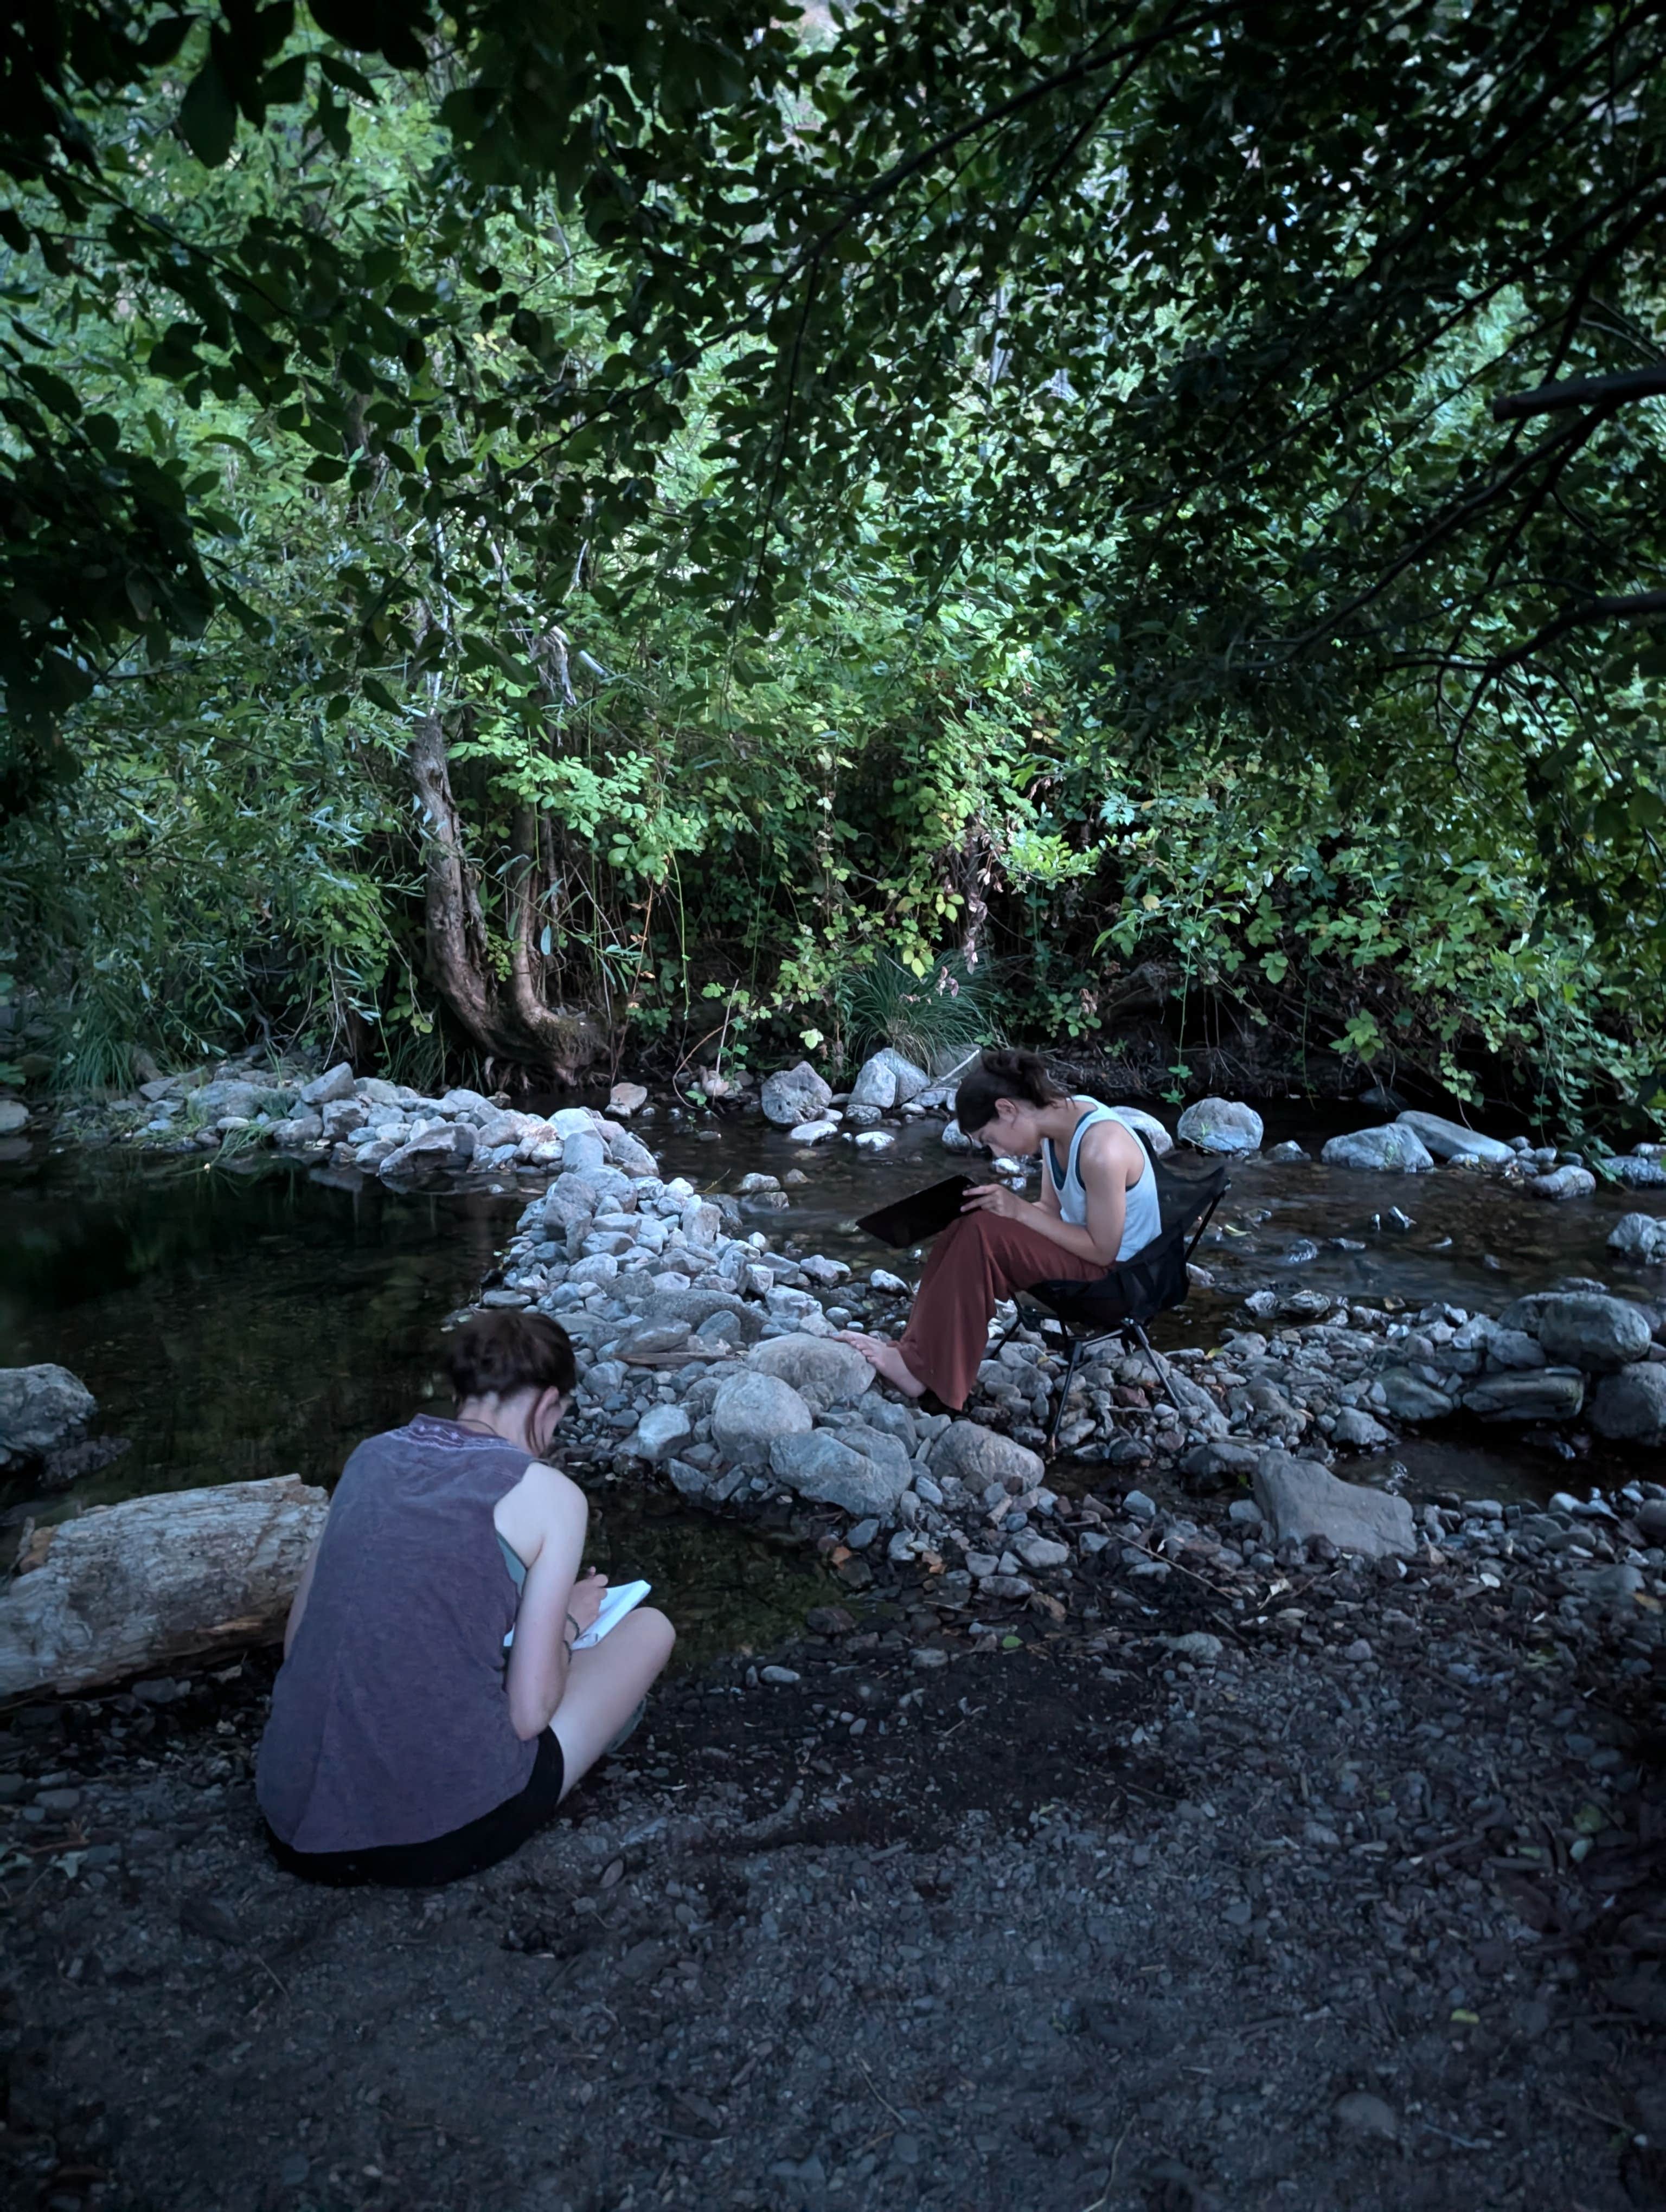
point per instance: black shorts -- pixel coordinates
(465, 1850)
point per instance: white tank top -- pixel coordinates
(1143, 1219)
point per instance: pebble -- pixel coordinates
(1360, 2113)
(780, 1675)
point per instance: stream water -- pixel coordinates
(236, 1323)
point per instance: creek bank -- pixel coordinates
(1343, 1898)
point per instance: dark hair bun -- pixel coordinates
(1006, 1074)
(496, 1354)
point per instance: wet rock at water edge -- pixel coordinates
(323, 1090)
(857, 1470)
(795, 1095)
(1563, 1184)
(1638, 1174)
(1220, 1125)
(662, 1431)
(1640, 1236)
(888, 1079)
(1451, 1140)
(1299, 1500)
(812, 1132)
(1355, 1427)
(1596, 1333)
(954, 1138)
(42, 1409)
(1630, 1408)
(1543, 1394)
(439, 1148)
(1289, 1149)
(627, 1098)
(14, 1117)
(1392, 1150)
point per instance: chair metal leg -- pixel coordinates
(1136, 1330)
(1064, 1394)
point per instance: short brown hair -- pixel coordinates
(496, 1354)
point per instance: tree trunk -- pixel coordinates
(127, 1590)
(517, 1024)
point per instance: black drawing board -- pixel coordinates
(910, 1220)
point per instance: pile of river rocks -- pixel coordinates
(708, 1356)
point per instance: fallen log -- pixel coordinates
(129, 1589)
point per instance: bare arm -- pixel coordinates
(543, 1519)
(1104, 1165)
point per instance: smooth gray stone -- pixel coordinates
(1448, 1140)
(1299, 1500)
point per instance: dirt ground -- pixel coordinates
(1365, 1911)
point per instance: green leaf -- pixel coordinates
(208, 116)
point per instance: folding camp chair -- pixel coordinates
(1121, 1302)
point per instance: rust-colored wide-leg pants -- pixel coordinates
(974, 1262)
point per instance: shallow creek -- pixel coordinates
(259, 1320)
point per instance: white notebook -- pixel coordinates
(623, 1598)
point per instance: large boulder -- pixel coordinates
(1581, 1329)
(1450, 1140)
(888, 1079)
(1640, 1236)
(1540, 1394)
(751, 1412)
(41, 1408)
(795, 1095)
(833, 1471)
(1630, 1408)
(1393, 1149)
(822, 1372)
(1299, 1500)
(1220, 1125)
(979, 1456)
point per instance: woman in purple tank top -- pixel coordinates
(405, 1745)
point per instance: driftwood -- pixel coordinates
(126, 1589)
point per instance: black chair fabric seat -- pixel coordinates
(1121, 1301)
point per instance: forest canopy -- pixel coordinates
(536, 534)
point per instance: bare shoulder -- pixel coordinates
(544, 1504)
(547, 1488)
(1111, 1145)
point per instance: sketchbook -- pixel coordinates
(922, 1214)
(619, 1601)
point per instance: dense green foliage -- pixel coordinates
(527, 541)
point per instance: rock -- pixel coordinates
(297, 1130)
(1359, 2113)
(14, 1117)
(875, 1140)
(1640, 1236)
(1393, 1149)
(323, 1090)
(1299, 1500)
(1449, 1140)
(1197, 1645)
(778, 1677)
(1289, 1149)
(827, 1469)
(229, 1095)
(1409, 1398)
(1563, 1183)
(467, 1105)
(1638, 1174)
(888, 1079)
(661, 1430)
(1542, 1393)
(695, 1309)
(751, 1412)
(583, 1151)
(887, 1285)
(1040, 1553)
(630, 1153)
(1221, 1456)
(442, 1148)
(751, 1185)
(627, 1098)
(691, 1481)
(41, 1408)
(1597, 1333)
(1149, 1127)
(812, 1132)
(979, 1456)
(1354, 1426)
(954, 1138)
(1220, 1125)
(822, 1372)
(797, 1094)
(1630, 1408)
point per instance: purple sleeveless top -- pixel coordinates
(390, 1720)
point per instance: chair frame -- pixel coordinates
(1085, 1337)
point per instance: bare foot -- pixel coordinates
(886, 1358)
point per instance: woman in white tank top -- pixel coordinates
(1098, 1207)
